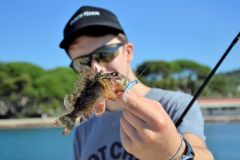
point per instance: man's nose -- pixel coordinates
(97, 67)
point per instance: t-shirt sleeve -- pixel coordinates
(193, 121)
(175, 103)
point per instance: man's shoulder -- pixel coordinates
(174, 102)
(164, 95)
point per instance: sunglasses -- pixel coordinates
(103, 54)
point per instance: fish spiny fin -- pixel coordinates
(69, 101)
(67, 121)
(78, 87)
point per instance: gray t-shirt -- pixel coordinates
(98, 138)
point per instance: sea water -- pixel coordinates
(49, 144)
(223, 139)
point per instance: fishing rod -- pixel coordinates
(199, 91)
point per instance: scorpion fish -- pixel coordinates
(89, 94)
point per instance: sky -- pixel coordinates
(200, 30)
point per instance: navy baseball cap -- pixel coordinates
(90, 19)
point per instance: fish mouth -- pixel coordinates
(118, 85)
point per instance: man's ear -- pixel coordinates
(129, 51)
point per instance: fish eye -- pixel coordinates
(115, 74)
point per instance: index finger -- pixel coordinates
(141, 106)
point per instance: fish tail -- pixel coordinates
(67, 121)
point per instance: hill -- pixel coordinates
(27, 90)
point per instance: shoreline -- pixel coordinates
(48, 122)
(27, 123)
(222, 119)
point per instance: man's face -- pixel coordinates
(84, 46)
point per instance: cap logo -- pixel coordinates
(84, 14)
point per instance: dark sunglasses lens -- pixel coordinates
(104, 54)
(107, 53)
(107, 56)
(81, 64)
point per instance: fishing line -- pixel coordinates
(213, 83)
(133, 82)
(199, 91)
(143, 70)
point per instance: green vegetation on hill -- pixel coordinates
(188, 76)
(27, 90)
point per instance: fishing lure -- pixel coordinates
(129, 86)
(89, 95)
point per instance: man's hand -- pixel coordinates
(147, 132)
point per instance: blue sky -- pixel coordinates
(160, 30)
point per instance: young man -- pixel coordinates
(142, 126)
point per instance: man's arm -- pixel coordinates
(149, 133)
(199, 147)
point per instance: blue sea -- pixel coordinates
(48, 143)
